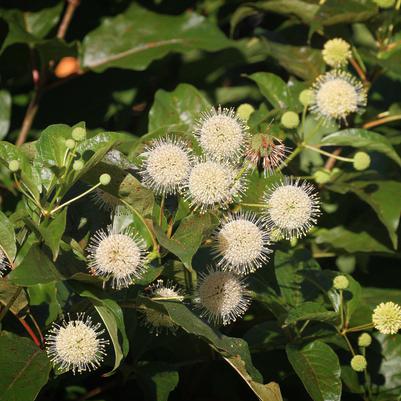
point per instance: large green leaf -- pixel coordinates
(383, 196)
(35, 268)
(188, 236)
(5, 112)
(361, 138)
(8, 292)
(24, 368)
(311, 311)
(181, 106)
(7, 238)
(135, 38)
(317, 366)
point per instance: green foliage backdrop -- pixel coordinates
(123, 74)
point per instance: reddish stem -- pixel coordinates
(30, 331)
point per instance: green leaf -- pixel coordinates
(158, 380)
(53, 232)
(5, 112)
(361, 138)
(24, 368)
(7, 238)
(341, 238)
(113, 318)
(35, 268)
(188, 236)
(7, 292)
(383, 197)
(311, 311)
(135, 38)
(317, 366)
(181, 106)
(274, 89)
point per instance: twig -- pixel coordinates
(331, 161)
(69, 13)
(381, 121)
(359, 71)
(97, 390)
(35, 323)
(29, 330)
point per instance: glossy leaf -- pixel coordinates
(7, 238)
(317, 366)
(135, 38)
(8, 292)
(5, 112)
(311, 311)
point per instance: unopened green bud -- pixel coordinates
(321, 176)
(346, 263)
(105, 179)
(364, 340)
(361, 161)
(306, 97)
(79, 134)
(70, 143)
(78, 165)
(359, 363)
(340, 282)
(14, 166)
(244, 111)
(290, 119)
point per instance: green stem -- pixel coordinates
(315, 149)
(342, 309)
(259, 205)
(348, 343)
(362, 327)
(161, 210)
(75, 199)
(10, 303)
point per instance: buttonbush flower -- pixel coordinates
(119, 256)
(364, 340)
(340, 282)
(76, 345)
(221, 134)
(166, 165)
(387, 318)
(222, 296)
(158, 321)
(241, 244)
(336, 95)
(336, 52)
(211, 183)
(358, 363)
(292, 208)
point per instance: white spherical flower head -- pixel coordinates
(291, 208)
(336, 52)
(222, 134)
(76, 344)
(119, 256)
(159, 321)
(222, 296)
(386, 318)
(211, 184)
(336, 95)
(166, 165)
(241, 244)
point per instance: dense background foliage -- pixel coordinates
(138, 70)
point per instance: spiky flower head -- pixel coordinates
(166, 165)
(340, 282)
(336, 95)
(107, 201)
(359, 363)
(117, 255)
(222, 296)
(156, 320)
(267, 150)
(221, 134)
(292, 207)
(76, 344)
(387, 317)
(211, 183)
(241, 244)
(336, 53)
(364, 340)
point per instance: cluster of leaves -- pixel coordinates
(129, 66)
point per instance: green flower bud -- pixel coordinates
(79, 134)
(78, 165)
(306, 97)
(385, 3)
(105, 179)
(14, 166)
(70, 143)
(336, 53)
(290, 119)
(361, 161)
(364, 340)
(321, 176)
(244, 111)
(358, 363)
(346, 263)
(340, 282)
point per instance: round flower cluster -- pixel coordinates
(387, 318)
(336, 53)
